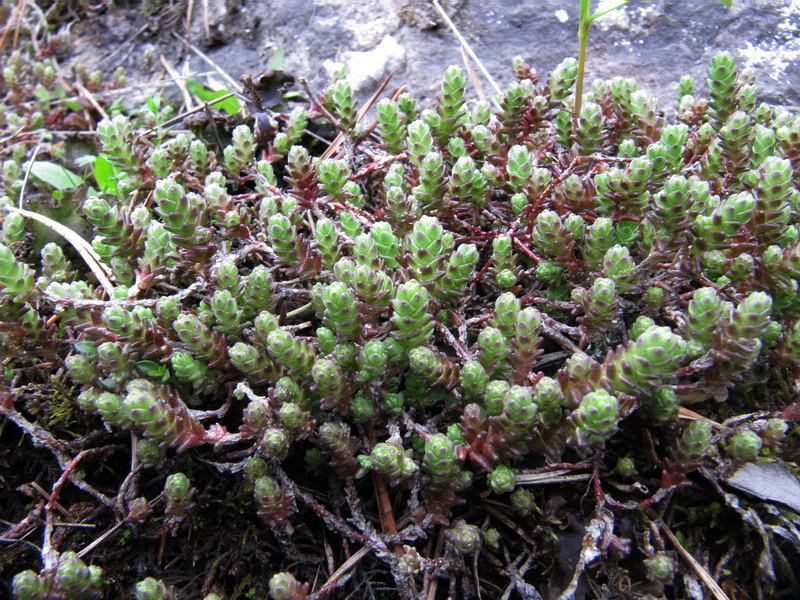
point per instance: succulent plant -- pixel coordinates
(414, 325)
(152, 589)
(70, 579)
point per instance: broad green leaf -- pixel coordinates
(55, 175)
(229, 105)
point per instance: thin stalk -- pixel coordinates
(586, 20)
(583, 37)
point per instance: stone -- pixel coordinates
(653, 42)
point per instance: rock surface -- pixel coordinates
(654, 42)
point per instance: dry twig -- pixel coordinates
(698, 569)
(84, 248)
(469, 51)
(187, 97)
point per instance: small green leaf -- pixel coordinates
(229, 105)
(149, 367)
(41, 94)
(154, 103)
(154, 369)
(85, 160)
(72, 105)
(276, 60)
(106, 175)
(86, 348)
(55, 175)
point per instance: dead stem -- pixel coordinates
(93, 260)
(14, 21)
(337, 577)
(469, 51)
(176, 78)
(27, 175)
(695, 566)
(49, 553)
(233, 84)
(359, 116)
(90, 97)
(59, 449)
(385, 511)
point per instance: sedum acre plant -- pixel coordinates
(382, 350)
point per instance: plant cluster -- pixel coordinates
(386, 344)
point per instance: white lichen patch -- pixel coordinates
(772, 55)
(369, 68)
(366, 22)
(618, 18)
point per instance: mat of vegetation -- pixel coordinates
(499, 348)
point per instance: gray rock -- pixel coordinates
(654, 42)
(768, 481)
